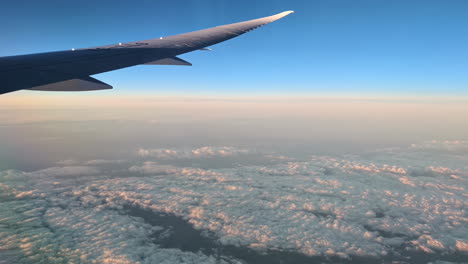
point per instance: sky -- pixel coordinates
(335, 135)
(360, 47)
(37, 131)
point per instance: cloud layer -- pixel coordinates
(399, 204)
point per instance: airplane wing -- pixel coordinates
(70, 70)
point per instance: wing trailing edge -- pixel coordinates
(74, 85)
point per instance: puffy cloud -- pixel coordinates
(203, 152)
(217, 152)
(159, 153)
(461, 246)
(155, 169)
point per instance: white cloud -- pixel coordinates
(158, 153)
(203, 152)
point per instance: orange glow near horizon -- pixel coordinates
(310, 115)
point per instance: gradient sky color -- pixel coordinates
(360, 47)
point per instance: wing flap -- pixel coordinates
(74, 85)
(170, 61)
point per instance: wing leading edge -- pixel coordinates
(70, 70)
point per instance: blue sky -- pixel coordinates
(357, 47)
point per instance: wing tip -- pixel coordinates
(285, 13)
(281, 15)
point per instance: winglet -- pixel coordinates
(281, 15)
